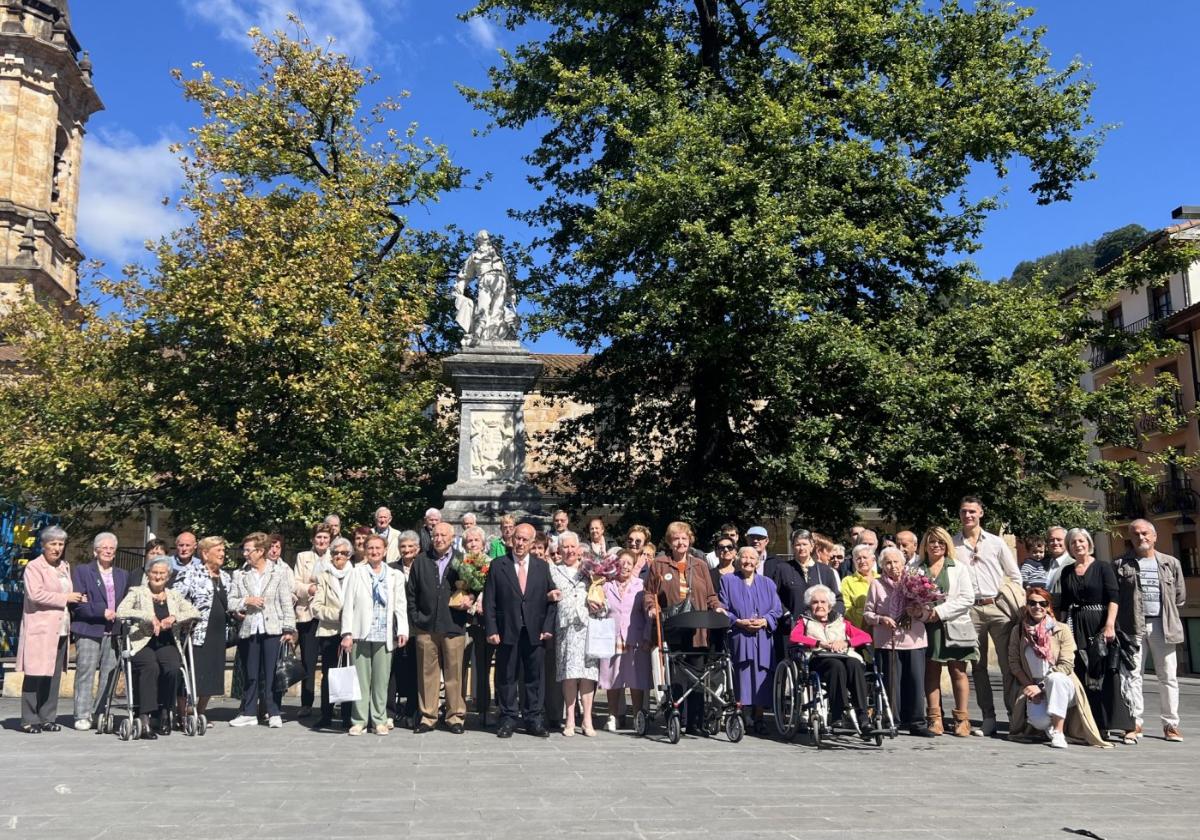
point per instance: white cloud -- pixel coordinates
(483, 33)
(122, 188)
(347, 21)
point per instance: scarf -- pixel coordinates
(337, 576)
(1037, 636)
(379, 586)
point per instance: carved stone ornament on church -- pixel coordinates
(493, 452)
(491, 316)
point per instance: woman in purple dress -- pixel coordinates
(630, 667)
(754, 609)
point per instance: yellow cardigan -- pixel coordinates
(854, 595)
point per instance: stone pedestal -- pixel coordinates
(491, 380)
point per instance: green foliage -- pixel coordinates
(268, 369)
(1064, 269)
(754, 212)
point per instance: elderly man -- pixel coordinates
(906, 541)
(519, 612)
(425, 530)
(1149, 613)
(334, 523)
(465, 524)
(185, 552)
(1056, 548)
(439, 631)
(383, 528)
(991, 564)
(757, 538)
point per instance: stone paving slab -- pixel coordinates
(262, 784)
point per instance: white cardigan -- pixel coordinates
(357, 604)
(955, 611)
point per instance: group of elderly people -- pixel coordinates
(398, 613)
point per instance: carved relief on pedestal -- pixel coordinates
(493, 446)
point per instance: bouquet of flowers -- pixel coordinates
(472, 574)
(601, 570)
(920, 591)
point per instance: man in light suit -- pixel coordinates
(383, 527)
(519, 611)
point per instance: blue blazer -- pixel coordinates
(87, 620)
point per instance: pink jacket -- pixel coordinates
(45, 603)
(854, 636)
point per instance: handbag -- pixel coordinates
(233, 630)
(289, 669)
(601, 638)
(343, 682)
(683, 606)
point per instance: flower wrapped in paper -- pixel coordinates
(472, 575)
(601, 570)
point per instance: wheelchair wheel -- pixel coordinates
(640, 723)
(814, 729)
(787, 713)
(673, 728)
(735, 727)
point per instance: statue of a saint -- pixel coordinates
(492, 315)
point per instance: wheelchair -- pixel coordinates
(714, 681)
(802, 704)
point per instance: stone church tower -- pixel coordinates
(46, 97)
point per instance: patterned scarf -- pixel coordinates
(1037, 636)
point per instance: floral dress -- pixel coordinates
(570, 638)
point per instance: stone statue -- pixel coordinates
(492, 315)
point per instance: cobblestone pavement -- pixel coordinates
(296, 783)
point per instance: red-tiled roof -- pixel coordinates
(559, 365)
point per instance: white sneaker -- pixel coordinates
(988, 727)
(1057, 739)
(244, 720)
(83, 725)
(610, 725)
(276, 722)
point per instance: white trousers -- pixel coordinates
(1058, 695)
(1164, 658)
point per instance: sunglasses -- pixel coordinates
(757, 537)
(342, 553)
(724, 548)
(1037, 604)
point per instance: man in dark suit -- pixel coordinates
(438, 630)
(519, 610)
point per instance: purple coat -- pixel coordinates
(630, 668)
(751, 650)
(41, 620)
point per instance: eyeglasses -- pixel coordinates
(724, 548)
(757, 537)
(1041, 605)
(341, 552)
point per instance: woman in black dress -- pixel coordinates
(1089, 602)
(207, 587)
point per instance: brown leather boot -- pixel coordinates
(962, 723)
(933, 717)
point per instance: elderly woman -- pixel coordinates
(952, 640)
(262, 595)
(833, 639)
(629, 668)
(754, 609)
(1090, 596)
(1041, 656)
(308, 563)
(327, 609)
(374, 623)
(92, 623)
(45, 631)
(856, 586)
(481, 654)
(207, 587)
(157, 664)
(360, 544)
(899, 637)
(404, 682)
(676, 577)
(577, 672)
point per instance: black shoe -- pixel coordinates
(149, 735)
(537, 730)
(456, 728)
(697, 731)
(31, 728)
(323, 723)
(505, 730)
(422, 728)
(164, 724)
(50, 727)
(920, 730)
(759, 726)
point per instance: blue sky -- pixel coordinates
(1138, 54)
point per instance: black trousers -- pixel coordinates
(554, 705)
(845, 682)
(157, 673)
(308, 647)
(527, 658)
(906, 687)
(403, 682)
(481, 656)
(329, 647)
(259, 654)
(39, 695)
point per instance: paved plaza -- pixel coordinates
(295, 783)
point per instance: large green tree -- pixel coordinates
(276, 360)
(756, 212)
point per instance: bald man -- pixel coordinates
(906, 541)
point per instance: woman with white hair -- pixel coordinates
(1089, 601)
(833, 641)
(92, 623)
(45, 631)
(207, 588)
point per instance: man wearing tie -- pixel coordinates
(519, 613)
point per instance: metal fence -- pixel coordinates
(20, 530)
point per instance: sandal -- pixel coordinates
(31, 728)
(50, 727)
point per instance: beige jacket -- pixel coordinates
(327, 603)
(139, 603)
(305, 574)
